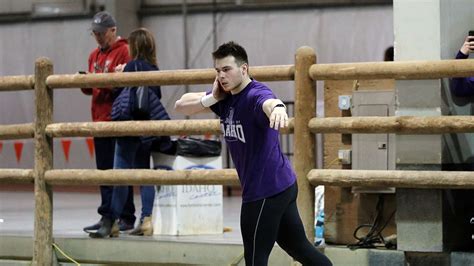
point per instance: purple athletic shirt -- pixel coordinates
(263, 169)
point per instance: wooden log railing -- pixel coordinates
(142, 177)
(304, 72)
(141, 128)
(393, 124)
(403, 70)
(17, 131)
(394, 178)
(16, 83)
(45, 131)
(166, 77)
(16, 176)
(135, 128)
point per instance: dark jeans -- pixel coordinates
(276, 218)
(104, 158)
(131, 153)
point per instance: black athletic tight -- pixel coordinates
(276, 219)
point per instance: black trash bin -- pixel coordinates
(191, 147)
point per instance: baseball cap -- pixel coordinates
(102, 21)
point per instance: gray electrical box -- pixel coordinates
(373, 151)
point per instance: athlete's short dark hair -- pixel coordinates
(234, 49)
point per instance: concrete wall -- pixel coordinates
(431, 220)
(457, 20)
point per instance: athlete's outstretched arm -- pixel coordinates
(198, 102)
(276, 113)
(190, 103)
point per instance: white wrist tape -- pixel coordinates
(279, 104)
(208, 100)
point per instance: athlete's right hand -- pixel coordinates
(217, 90)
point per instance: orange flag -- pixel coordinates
(90, 146)
(18, 145)
(66, 144)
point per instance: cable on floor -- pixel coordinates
(65, 255)
(374, 236)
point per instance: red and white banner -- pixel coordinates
(18, 145)
(69, 153)
(90, 146)
(66, 144)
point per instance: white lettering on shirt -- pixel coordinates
(233, 132)
(232, 129)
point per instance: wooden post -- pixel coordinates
(304, 144)
(43, 231)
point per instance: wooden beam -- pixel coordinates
(16, 176)
(166, 77)
(394, 124)
(135, 128)
(142, 177)
(17, 83)
(409, 70)
(400, 179)
(17, 131)
(140, 128)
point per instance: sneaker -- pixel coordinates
(124, 226)
(94, 227)
(109, 228)
(320, 242)
(144, 228)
